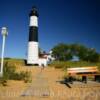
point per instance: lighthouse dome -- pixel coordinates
(34, 12)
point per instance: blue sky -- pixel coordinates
(67, 21)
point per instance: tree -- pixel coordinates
(93, 56)
(75, 48)
(65, 52)
(62, 52)
(82, 53)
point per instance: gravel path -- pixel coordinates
(39, 87)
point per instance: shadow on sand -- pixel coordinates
(66, 82)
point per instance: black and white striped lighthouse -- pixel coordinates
(32, 57)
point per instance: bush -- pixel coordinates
(3, 81)
(9, 73)
(25, 76)
(59, 64)
(67, 64)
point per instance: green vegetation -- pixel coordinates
(63, 65)
(67, 64)
(64, 52)
(14, 61)
(11, 74)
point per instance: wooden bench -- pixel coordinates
(84, 72)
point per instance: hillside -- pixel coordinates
(46, 85)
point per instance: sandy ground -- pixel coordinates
(57, 91)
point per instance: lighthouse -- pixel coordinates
(33, 51)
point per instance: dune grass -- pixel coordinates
(68, 64)
(14, 61)
(10, 71)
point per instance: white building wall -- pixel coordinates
(42, 62)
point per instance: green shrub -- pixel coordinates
(58, 64)
(25, 76)
(9, 73)
(67, 64)
(3, 81)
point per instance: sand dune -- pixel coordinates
(47, 81)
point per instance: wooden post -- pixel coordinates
(84, 79)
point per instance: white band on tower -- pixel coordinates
(34, 21)
(32, 52)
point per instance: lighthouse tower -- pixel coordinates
(33, 56)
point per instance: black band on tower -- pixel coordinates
(33, 34)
